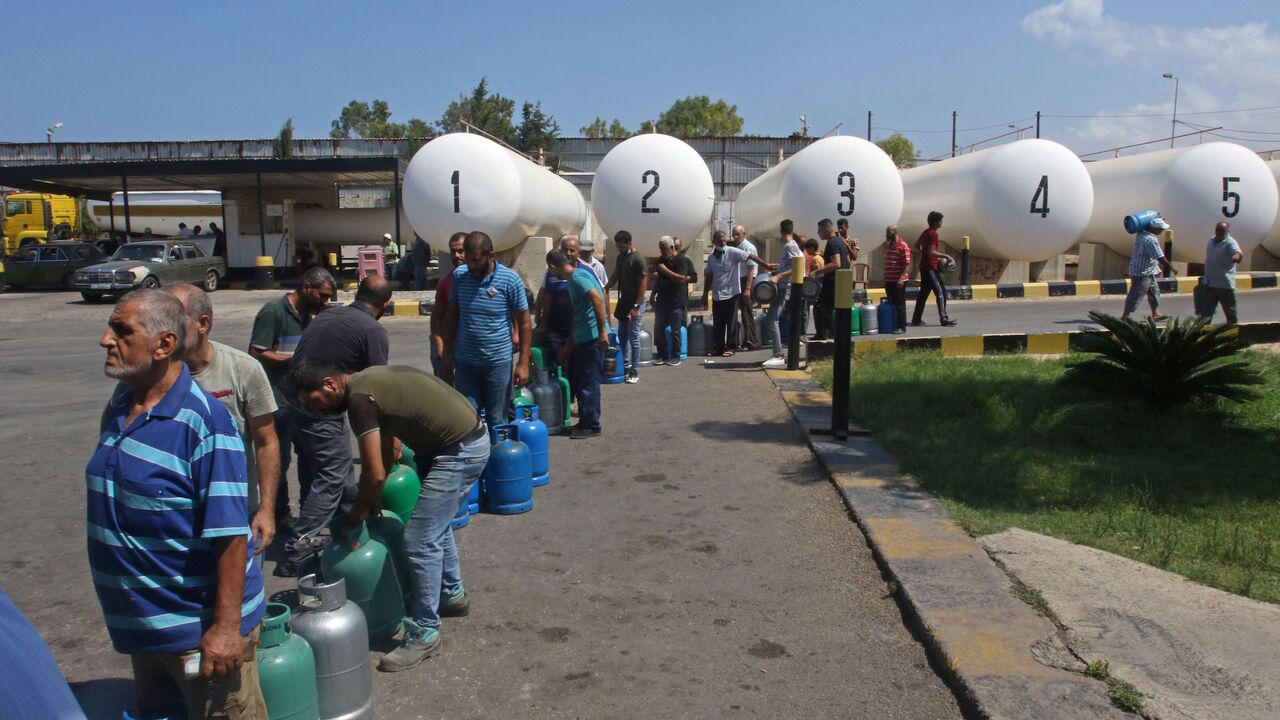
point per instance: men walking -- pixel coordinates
(553, 310)
(168, 525)
(930, 276)
(1144, 268)
(277, 328)
(835, 256)
(240, 383)
(584, 353)
(384, 404)
(631, 277)
(483, 299)
(897, 262)
(1219, 282)
(790, 251)
(745, 338)
(441, 306)
(672, 275)
(350, 338)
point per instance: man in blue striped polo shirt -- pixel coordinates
(486, 296)
(168, 524)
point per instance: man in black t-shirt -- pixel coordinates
(672, 273)
(835, 256)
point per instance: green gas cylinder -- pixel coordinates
(535, 358)
(286, 669)
(389, 530)
(568, 395)
(523, 397)
(409, 458)
(400, 491)
(856, 317)
(369, 571)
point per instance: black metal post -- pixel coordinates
(868, 126)
(262, 221)
(111, 210)
(840, 367)
(1168, 251)
(953, 133)
(128, 226)
(1037, 123)
(395, 203)
(964, 261)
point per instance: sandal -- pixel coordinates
(727, 353)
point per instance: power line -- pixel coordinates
(947, 130)
(1149, 115)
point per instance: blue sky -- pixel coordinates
(179, 71)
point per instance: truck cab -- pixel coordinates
(37, 217)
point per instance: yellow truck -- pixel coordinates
(37, 217)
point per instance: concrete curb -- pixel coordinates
(1072, 288)
(1002, 658)
(1252, 333)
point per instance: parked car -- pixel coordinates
(52, 264)
(151, 264)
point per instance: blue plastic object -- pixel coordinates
(1137, 222)
(473, 497)
(508, 477)
(533, 432)
(684, 341)
(886, 316)
(615, 349)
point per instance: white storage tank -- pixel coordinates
(1027, 200)
(351, 226)
(159, 210)
(653, 185)
(1193, 188)
(462, 182)
(835, 177)
(1272, 241)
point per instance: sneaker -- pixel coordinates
(580, 433)
(899, 331)
(454, 604)
(417, 645)
(948, 322)
(633, 378)
(673, 363)
(917, 323)
(659, 361)
(286, 569)
(774, 363)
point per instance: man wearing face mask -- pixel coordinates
(672, 275)
(724, 270)
(349, 337)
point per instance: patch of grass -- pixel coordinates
(1122, 694)
(1001, 443)
(1032, 598)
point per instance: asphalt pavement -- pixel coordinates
(693, 561)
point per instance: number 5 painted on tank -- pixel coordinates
(644, 201)
(1229, 195)
(847, 193)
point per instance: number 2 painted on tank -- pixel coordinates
(846, 193)
(644, 201)
(457, 200)
(1042, 197)
(1229, 195)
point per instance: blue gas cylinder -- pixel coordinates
(684, 341)
(615, 352)
(1137, 222)
(473, 497)
(533, 432)
(463, 517)
(887, 316)
(508, 476)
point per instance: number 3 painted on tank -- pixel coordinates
(847, 193)
(1229, 195)
(644, 201)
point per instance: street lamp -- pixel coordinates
(1173, 127)
(49, 131)
(804, 126)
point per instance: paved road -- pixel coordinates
(691, 562)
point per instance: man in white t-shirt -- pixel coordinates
(780, 278)
(240, 383)
(745, 330)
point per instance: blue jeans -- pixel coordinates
(419, 276)
(428, 538)
(629, 338)
(584, 367)
(776, 308)
(326, 467)
(488, 386)
(664, 317)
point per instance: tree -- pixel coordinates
(699, 117)
(900, 149)
(538, 134)
(490, 113)
(283, 145)
(599, 129)
(366, 120)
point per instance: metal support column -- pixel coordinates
(840, 367)
(262, 221)
(964, 260)
(128, 226)
(953, 133)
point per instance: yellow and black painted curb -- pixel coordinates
(1075, 288)
(982, 639)
(1058, 343)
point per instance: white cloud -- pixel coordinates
(1226, 67)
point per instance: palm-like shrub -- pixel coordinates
(1167, 367)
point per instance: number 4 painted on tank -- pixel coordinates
(1229, 195)
(1042, 197)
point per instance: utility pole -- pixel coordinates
(953, 133)
(868, 126)
(1037, 123)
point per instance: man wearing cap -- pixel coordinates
(1144, 267)
(390, 254)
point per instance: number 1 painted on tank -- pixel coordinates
(1041, 196)
(644, 201)
(457, 200)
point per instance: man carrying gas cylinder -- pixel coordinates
(386, 406)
